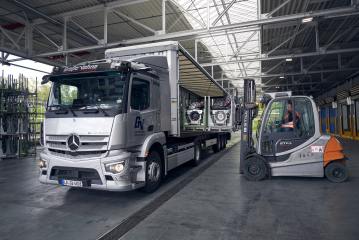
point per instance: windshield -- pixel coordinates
(86, 92)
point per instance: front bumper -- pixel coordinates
(132, 177)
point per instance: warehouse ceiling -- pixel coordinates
(304, 46)
(317, 53)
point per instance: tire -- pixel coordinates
(224, 141)
(217, 147)
(221, 140)
(336, 172)
(197, 154)
(154, 170)
(255, 169)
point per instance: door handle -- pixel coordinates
(150, 128)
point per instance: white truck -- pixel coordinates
(118, 124)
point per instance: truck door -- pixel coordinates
(142, 115)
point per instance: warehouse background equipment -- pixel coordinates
(339, 110)
(19, 125)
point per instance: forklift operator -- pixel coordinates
(289, 122)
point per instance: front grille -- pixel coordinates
(87, 175)
(77, 155)
(89, 144)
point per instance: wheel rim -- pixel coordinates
(338, 173)
(253, 169)
(154, 172)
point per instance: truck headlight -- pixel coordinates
(115, 167)
(42, 164)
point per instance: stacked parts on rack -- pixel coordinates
(215, 114)
(220, 112)
(17, 116)
(195, 113)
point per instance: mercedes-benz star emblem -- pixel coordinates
(73, 142)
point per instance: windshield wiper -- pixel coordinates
(63, 109)
(98, 108)
(73, 112)
(102, 110)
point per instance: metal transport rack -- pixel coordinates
(18, 114)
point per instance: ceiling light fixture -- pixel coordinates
(307, 20)
(289, 59)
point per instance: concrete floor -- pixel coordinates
(30, 210)
(218, 204)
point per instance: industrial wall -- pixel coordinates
(339, 110)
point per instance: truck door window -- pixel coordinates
(68, 94)
(140, 94)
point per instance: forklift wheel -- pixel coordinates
(336, 172)
(255, 169)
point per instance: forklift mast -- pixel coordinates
(249, 111)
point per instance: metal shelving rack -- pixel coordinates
(18, 115)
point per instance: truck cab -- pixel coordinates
(96, 117)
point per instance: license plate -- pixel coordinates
(70, 183)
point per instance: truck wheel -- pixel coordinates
(153, 172)
(255, 169)
(217, 147)
(197, 154)
(336, 172)
(224, 142)
(220, 142)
